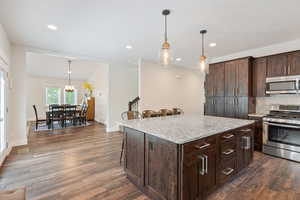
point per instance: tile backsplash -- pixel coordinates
(263, 104)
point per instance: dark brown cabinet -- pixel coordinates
(245, 147)
(237, 107)
(237, 78)
(293, 63)
(277, 65)
(215, 80)
(191, 171)
(214, 106)
(259, 77)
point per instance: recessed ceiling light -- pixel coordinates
(52, 27)
(178, 59)
(128, 47)
(69, 72)
(212, 44)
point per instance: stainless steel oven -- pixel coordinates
(282, 140)
(282, 85)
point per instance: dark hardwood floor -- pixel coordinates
(83, 163)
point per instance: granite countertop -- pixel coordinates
(260, 115)
(181, 129)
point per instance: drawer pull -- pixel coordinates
(246, 130)
(228, 152)
(202, 170)
(227, 171)
(228, 136)
(203, 146)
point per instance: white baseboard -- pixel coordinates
(112, 129)
(4, 155)
(19, 142)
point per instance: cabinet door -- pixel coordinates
(230, 107)
(161, 168)
(230, 78)
(190, 181)
(294, 63)
(134, 156)
(244, 148)
(277, 65)
(242, 107)
(259, 77)
(219, 106)
(219, 70)
(243, 74)
(209, 106)
(210, 82)
(207, 180)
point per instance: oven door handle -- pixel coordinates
(282, 125)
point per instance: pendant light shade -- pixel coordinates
(69, 87)
(165, 53)
(204, 67)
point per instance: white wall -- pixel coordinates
(5, 49)
(36, 93)
(171, 87)
(100, 82)
(17, 102)
(123, 87)
(5, 58)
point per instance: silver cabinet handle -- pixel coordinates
(202, 171)
(227, 171)
(246, 130)
(206, 163)
(203, 146)
(228, 136)
(228, 152)
(246, 142)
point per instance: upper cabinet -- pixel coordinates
(293, 63)
(237, 78)
(277, 65)
(215, 80)
(259, 77)
(285, 64)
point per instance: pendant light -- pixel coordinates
(165, 52)
(69, 87)
(203, 65)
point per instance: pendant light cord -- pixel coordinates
(202, 44)
(166, 31)
(69, 73)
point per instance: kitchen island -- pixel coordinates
(185, 157)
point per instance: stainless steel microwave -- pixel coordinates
(282, 85)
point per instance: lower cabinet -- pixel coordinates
(214, 106)
(199, 169)
(245, 147)
(236, 107)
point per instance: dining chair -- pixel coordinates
(165, 112)
(178, 111)
(81, 118)
(57, 115)
(70, 114)
(128, 115)
(149, 113)
(37, 120)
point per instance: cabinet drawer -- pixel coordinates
(228, 151)
(227, 137)
(226, 171)
(246, 130)
(200, 145)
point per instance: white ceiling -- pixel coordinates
(57, 67)
(101, 29)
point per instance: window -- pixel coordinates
(52, 95)
(70, 97)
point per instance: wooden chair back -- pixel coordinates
(129, 115)
(35, 112)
